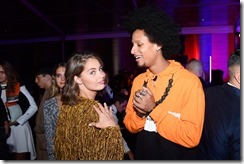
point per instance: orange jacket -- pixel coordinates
(185, 98)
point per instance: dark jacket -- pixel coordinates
(221, 132)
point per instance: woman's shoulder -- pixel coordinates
(49, 102)
(84, 103)
(52, 99)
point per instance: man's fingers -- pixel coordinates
(147, 90)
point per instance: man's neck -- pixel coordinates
(233, 85)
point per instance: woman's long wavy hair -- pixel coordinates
(74, 67)
(11, 75)
(55, 89)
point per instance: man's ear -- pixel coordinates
(77, 80)
(49, 76)
(159, 48)
(238, 77)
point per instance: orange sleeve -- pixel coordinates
(133, 122)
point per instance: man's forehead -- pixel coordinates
(40, 76)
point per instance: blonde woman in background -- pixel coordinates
(52, 106)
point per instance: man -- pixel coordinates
(221, 132)
(166, 104)
(44, 81)
(195, 66)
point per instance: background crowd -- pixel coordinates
(161, 111)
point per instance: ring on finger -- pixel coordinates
(143, 93)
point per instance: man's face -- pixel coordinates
(41, 80)
(144, 51)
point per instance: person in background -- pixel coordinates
(4, 132)
(52, 106)
(91, 132)
(221, 131)
(117, 103)
(166, 104)
(195, 66)
(120, 102)
(217, 77)
(43, 79)
(14, 93)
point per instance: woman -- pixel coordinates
(20, 107)
(85, 129)
(51, 107)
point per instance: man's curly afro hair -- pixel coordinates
(158, 26)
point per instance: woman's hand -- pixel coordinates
(131, 156)
(15, 123)
(106, 117)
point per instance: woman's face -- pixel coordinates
(93, 77)
(3, 77)
(143, 50)
(59, 77)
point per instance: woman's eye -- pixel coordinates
(92, 72)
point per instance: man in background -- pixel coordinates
(195, 66)
(221, 131)
(44, 80)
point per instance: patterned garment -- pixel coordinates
(76, 140)
(50, 112)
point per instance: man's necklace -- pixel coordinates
(166, 92)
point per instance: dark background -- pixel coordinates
(35, 33)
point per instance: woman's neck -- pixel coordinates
(90, 95)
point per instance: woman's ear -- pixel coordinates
(78, 80)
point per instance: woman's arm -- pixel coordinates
(31, 109)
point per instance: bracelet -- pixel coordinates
(143, 115)
(140, 114)
(149, 112)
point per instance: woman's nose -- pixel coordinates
(63, 77)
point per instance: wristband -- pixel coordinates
(143, 115)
